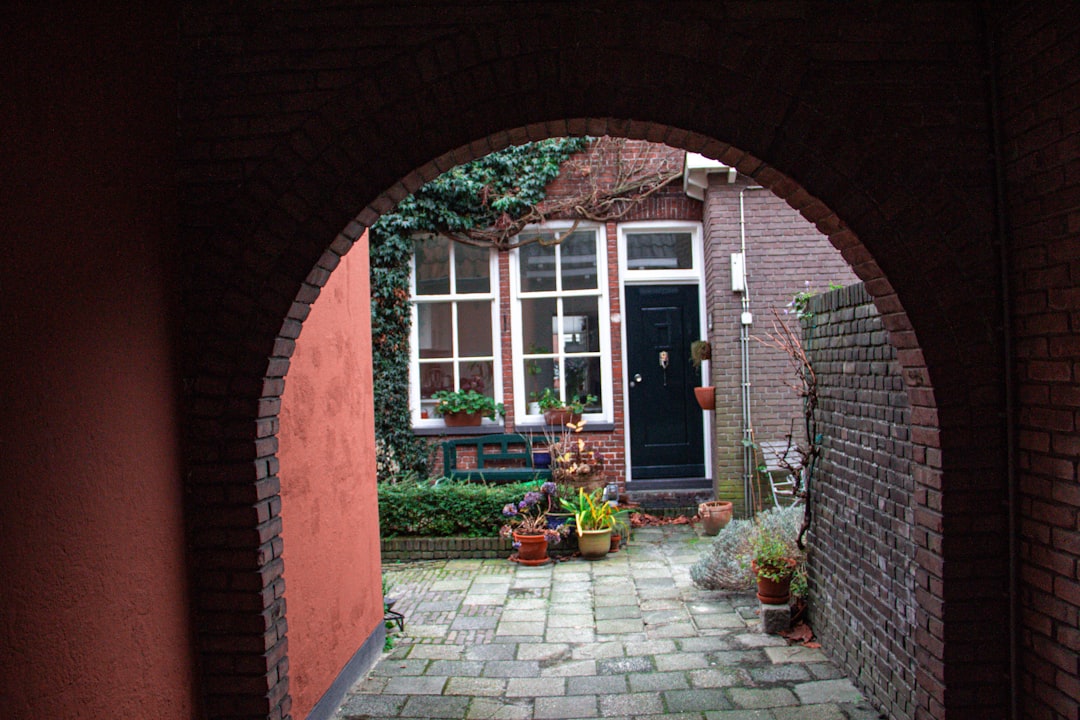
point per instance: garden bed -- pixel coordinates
(410, 549)
(407, 549)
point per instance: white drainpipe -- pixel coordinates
(745, 321)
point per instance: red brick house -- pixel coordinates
(610, 312)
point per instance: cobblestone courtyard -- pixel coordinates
(625, 637)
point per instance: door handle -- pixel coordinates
(636, 380)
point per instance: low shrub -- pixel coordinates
(726, 565)
(445, 508)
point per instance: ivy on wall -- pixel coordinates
(493, 190)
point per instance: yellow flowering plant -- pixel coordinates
(590, 511)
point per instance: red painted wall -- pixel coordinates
(94, 619)
(329, 501)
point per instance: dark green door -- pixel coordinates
(666, 431)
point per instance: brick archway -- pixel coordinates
(260, 246)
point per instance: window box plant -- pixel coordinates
(560, 413)
(465, 407)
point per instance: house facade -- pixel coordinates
(604, 309)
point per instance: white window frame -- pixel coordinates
(689, 276)
(603, 318)
(415, 404)
(666, 277)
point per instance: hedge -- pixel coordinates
(445, 509)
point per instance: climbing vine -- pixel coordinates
(485, 203)
(494, 190)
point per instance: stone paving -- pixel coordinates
(629, 636)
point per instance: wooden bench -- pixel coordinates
(499, 458)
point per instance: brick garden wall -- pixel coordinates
(862, 567)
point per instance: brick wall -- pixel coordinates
(862, 566)
(1042, 137)
(785, 254)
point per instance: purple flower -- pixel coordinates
(509, 510)
(531, 498)
(548, 488)
(516, 545)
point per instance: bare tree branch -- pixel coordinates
(789, 341)
(604, 198)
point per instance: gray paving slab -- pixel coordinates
(628, 637)
(700, 700)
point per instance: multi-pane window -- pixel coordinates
(454, 323)
(561, 320)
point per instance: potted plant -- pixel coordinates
(465, 407)
(527, 523)
(560, 413)
(593, 520)
(701, 350)
(620, 529)
(576, 460)
(773, 563)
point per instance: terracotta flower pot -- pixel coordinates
(714, 515)
(460, 419)
(532, 549)
(706, 397)
(616, 541)
(560, 417)
(774, 592)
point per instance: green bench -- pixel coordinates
(499, 458)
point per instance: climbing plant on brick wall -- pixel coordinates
(492, 191)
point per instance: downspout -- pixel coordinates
(1004, 241)
(745, 320)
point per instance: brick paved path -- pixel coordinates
(625, 637)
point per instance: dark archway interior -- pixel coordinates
(866, 163)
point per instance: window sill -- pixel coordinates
(552, 429)
(434, 430)
(495, 429)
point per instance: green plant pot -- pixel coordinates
(594, 544)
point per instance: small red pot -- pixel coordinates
(773, 592)
(532, 549)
